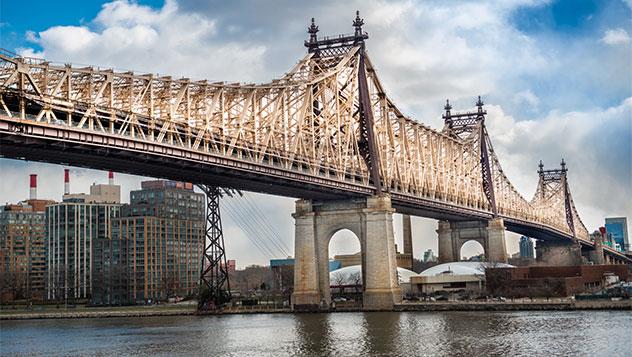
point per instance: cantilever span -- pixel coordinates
(326, 129)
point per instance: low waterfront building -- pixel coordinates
(551, 281)
(452, 277)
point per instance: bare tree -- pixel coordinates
(14, 284)
(356, 278)
(339, 281)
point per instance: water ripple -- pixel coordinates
(577, 333)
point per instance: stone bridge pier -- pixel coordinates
(491, 235)
(559, 253)
(371, 220)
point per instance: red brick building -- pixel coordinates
(550, 281)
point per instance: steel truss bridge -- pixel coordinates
(327, 129)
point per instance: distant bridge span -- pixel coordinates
(325, 130)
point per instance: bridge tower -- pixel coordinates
(371, 218)
(469, 127)
(553, 185)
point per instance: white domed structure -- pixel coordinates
(454, 276)
(352, 274)
(462, 268)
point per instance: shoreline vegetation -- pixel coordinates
(190, 309)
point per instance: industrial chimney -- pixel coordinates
(111, 178)
(66, 182)
(33, 193)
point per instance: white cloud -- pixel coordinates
(125, 35)
(527, 97)
(435, 50)
(596, 144)
(424, 52)
(615, 37)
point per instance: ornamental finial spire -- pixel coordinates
(541, 166)
(357, 23)
(479, 104)
(447, 108)
(312, 30)
(563, 164)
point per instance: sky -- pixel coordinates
(556, 77)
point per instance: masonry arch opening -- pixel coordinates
(345, 268)
(472, 250)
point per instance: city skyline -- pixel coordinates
(532, 113)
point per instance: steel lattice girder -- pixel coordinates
(308, 123)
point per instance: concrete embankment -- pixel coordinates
(408, 306)
(96, 313)
(516, 306)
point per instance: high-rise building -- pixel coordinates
(110, 269)
(618, 227)
(161, 256)
(167, 199)
(155, 249)
(23, 257)
(72, 227)
(22, 253)
(526, 248)
(429, 256)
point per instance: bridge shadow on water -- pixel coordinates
(451, 333)
(334, 334)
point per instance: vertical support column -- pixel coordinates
(213, 270)
(381, 290)
(597, 256)
(446, 247)
(558, 253)
(497, 249)
(306, 296)
(408, 241)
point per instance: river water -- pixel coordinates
(575, 333)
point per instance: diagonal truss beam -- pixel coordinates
(327, 117)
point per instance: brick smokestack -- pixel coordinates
(33, 186)
(66, 182)
(111, 178)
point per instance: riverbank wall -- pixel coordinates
(416, 306)
(66, 314)
(516, 306)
